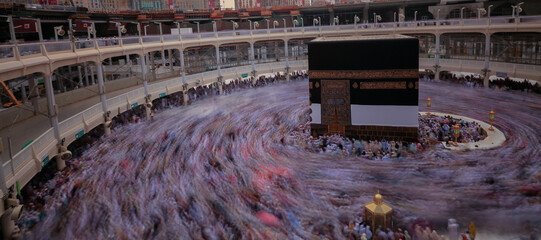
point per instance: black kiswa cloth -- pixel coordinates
(383, 52)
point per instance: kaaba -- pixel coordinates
(364, 87)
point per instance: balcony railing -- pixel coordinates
(29, 49)
(58, 46)
(26, 49)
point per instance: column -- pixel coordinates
(85, 67)
(252, 59)
(101, 87)
(148, 106)
(93, 80)
(182, 67)
(185, 97)
(51, 106)
(148, 103)
(486, 70)
(53, 118)
(163, 58)
(70, 77)
(153, 66)
(219, 69)
(437, 58)
(128, 63)
(286, 52)
(218, 61)
(34, 93)
(239, 53)
(170, 55)
(220, 88)
(80, 72)
(183, 73)
(144, 73)
(23, 92)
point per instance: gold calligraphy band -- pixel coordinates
(364, 74)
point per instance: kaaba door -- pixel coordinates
(335, 96)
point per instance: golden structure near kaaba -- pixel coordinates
(377, 213)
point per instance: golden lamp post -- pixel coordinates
(491, 118)
(428, 104)
(456, 132)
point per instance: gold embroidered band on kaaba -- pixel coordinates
(385, 85)
(364, 74)
(378, 85)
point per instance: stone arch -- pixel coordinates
(269, 50)
(161, 63)
(516, 47)
(121, 66)
(470, 46)
(427, 44)
(68, 77)
(30, 98)
(298, 48)
(234, 54)
(22, 90)
(200, 59)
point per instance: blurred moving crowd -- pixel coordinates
(41, 190)
(476, 81)
(508, 84)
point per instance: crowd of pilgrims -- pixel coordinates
(419, 230)
(473, 80)
(440, 128)
(476, 81)
(432, 130)
(41, 188)
(506, 84)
